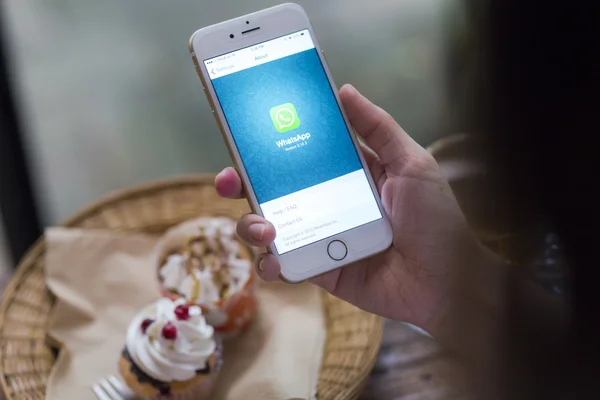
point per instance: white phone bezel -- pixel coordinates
(311, 260)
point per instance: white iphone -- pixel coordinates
(271, 92)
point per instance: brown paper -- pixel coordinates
(102, 279)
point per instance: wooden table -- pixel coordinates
(411, 366)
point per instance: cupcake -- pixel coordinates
(170, 352)
(204, 262)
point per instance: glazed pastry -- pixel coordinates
(203, 262)
(170, 352)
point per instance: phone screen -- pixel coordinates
(293, 140)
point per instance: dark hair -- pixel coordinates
(541, 78)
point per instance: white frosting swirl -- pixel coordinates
(209, 292)
(165, 359)
(174, 272)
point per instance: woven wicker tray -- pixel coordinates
(353, 336)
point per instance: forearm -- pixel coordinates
(504, 327)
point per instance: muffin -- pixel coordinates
(170, 352)
(204, 262)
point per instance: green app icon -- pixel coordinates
(284, 117)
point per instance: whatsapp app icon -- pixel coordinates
(284, 117)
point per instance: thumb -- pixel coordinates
(378, 128)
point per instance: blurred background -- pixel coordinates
(107, 95)
(5, 259)
(100, 96)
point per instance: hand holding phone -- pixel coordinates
(433, 252)
(275, 102)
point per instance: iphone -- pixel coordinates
(275, 102)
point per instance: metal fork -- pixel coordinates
(112, 388)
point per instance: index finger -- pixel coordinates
(379, 130)
(229, 184)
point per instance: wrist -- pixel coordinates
(475, 300)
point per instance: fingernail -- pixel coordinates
(256, 230)
(261, 265)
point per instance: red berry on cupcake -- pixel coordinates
(182, 312)
(146, 323)
(169, 331)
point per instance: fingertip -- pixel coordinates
(268, 267)
(228, 183)
(347, 93)
(348, 89)
(269, 233)
(255, 231)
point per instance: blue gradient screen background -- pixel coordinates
(247, 97)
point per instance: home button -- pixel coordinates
(337, 250)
